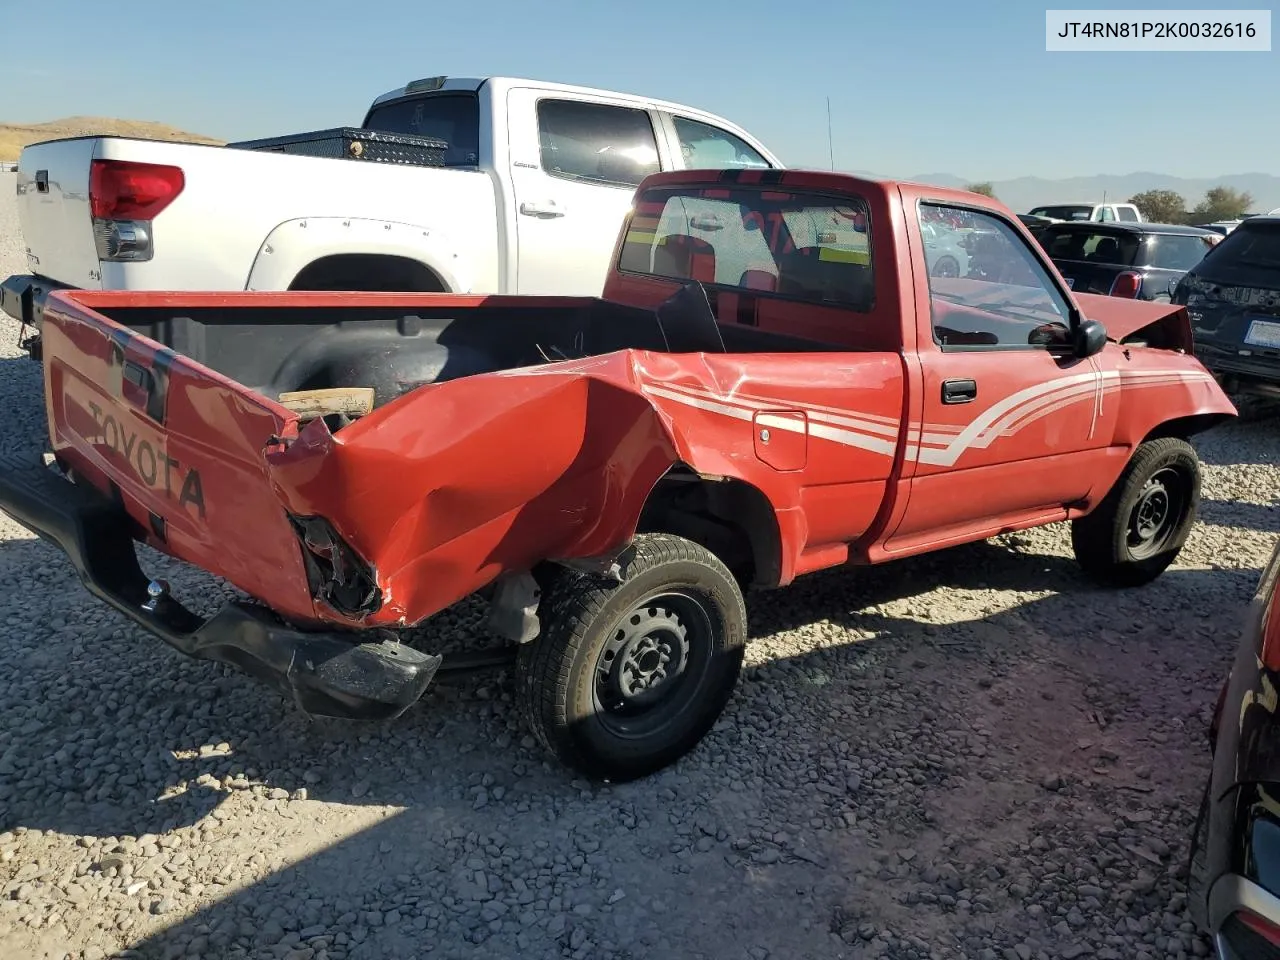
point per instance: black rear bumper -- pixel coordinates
(1255, 371)
(327, 674)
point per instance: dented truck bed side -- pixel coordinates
(432, 496)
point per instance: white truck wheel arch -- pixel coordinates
(294, 244)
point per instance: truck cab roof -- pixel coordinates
(500, 84)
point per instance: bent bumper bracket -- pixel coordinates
(327, 674)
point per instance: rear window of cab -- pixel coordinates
(794, 244)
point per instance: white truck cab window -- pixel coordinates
(597, 142)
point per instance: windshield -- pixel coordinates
(451, 117)
(1066, 211)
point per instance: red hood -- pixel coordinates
(1124, 317)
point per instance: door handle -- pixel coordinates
(546, 209)
(959, 391)
(140, 387)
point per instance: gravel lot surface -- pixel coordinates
(974, 754)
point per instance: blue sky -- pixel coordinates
(927, 87)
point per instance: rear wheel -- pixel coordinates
(1140, 526)
(626, 678)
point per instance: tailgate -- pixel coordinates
(182, 445)
(53, 211)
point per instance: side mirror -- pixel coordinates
(1091, 337)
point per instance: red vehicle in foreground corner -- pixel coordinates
(1233, 883)
(771, 384)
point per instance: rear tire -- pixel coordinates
(627, 678)
(1140, 526)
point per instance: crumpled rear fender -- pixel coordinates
(452, 484)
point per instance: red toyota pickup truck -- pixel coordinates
(772, 383)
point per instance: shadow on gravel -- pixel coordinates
(962, 742)
(140, 739)
(25, 431)
(1234, 513)
(1252, 439)
(975, 566)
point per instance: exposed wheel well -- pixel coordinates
(731, 518)
(367, 271)
(1186, 427)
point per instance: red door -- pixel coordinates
(1009, 416)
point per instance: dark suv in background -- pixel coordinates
(1233, 298)
(1140, 261)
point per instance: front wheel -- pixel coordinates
(1140, 526)
(626, 678)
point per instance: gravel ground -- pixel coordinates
(973, 754)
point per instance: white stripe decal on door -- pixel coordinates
(937, 444)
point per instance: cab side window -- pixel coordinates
(596, 142)
(706, 147)
(994, 293)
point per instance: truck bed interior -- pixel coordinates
(275, 349)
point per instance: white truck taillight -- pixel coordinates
(124, 197)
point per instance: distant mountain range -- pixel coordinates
(1023, 193)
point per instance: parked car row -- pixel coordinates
(1228, 280)
(1233, 298)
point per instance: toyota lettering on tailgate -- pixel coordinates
(154, 468)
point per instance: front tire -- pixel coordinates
(624, 679)
(1141, 525)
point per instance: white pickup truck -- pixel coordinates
(528, 195)
(1100, 212)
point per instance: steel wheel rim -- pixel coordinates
(946, 267)
(651, 665)
(1157, 513)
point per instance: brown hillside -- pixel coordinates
(15, 136)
